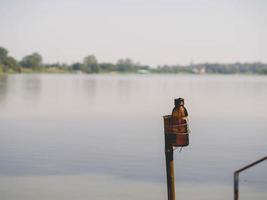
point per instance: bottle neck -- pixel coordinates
(179, 102)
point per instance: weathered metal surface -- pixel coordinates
(170, 172)
(176, 131)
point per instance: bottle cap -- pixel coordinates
(179, 102)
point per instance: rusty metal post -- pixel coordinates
(236, 176)
(236, 183)
(169, 169)
(176, 135)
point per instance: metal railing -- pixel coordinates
(236, 176)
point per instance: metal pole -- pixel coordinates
(236, 183)
(169, 169)
(236, 176)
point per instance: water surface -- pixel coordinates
(101, 136)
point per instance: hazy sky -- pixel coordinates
(150, 31)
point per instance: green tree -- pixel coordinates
(90, 64)
(107, 67)
(76, 66)
(7, 62)
(11, 63)
(33, 61)
(3, 54)
(126, 65)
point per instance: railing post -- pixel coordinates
(236, 188)
(236, 176)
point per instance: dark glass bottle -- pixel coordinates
(179, 123)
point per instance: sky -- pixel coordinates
(153, 32)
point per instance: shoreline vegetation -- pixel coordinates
(33, 63)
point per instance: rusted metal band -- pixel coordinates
(173, 133)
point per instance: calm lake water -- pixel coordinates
(65, 137)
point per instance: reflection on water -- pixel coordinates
(99, 187)
(32, 86)
(79, 129)
(3, 88)
(90, 87)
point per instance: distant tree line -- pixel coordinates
(10, 64)
(215, 68)
(7, 62)
(90, 64)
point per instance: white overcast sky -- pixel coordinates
(150, 31)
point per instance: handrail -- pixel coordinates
(236, 176)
